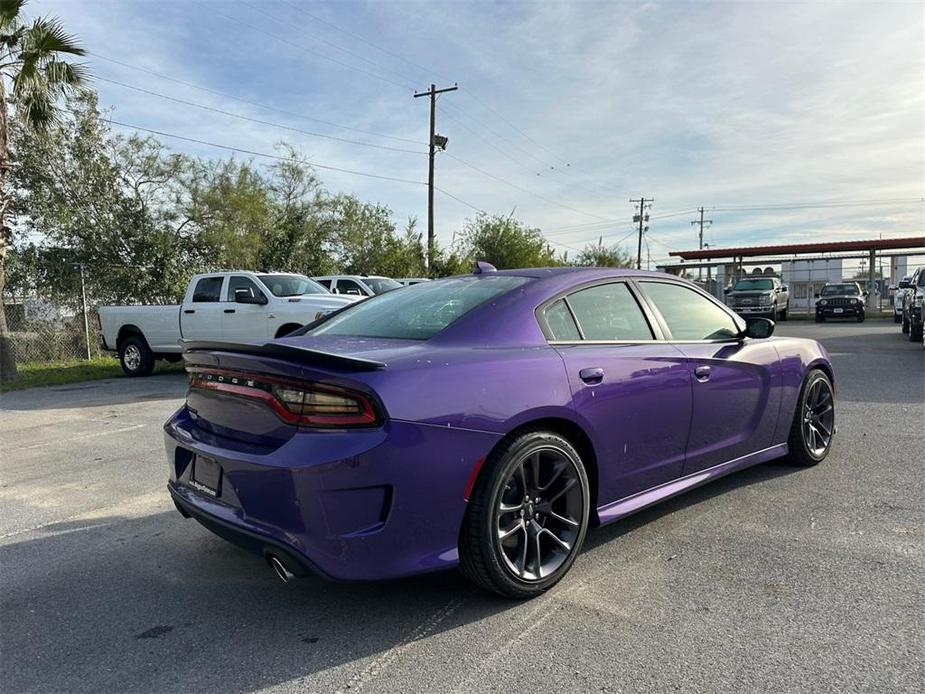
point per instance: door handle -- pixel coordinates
(229, 310)
(592, 376)
(702, 373)
(189, 310)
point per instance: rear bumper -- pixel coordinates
(347, 505)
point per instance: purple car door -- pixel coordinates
(632, 394)
(736, 395)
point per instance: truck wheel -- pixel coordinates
(136, 357)
(784, 313)
(860, 318)
(287, 329)
(897, 318)
(915, 331)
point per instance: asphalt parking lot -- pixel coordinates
(772, 579)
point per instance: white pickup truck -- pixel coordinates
(217, 306)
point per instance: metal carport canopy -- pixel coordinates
(911, 242)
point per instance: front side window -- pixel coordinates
(609, 312)
(345, 286)
(689, 314)
(208, 289)
(241, 285)
(418, 312)
(291, 285)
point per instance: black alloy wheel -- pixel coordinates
(813, 427)
(527, 517)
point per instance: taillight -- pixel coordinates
(295, 402)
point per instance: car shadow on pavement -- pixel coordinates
(158, 604)
(101, 393)
(724, 485)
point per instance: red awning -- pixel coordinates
(911, 242)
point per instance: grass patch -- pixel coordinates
(58, 373)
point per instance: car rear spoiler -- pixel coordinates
(287, 351)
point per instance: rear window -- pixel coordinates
(418, 312)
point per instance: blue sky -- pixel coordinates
(571, 108)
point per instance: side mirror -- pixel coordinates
(726, 290)
(244, 296)
(784, 288)
(815, 296)
(759, 328)
(905, 284)
(866, 293)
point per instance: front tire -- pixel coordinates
(784, 314)
(136, 357)
(860, 318)
(813, 426)
(915, 331)
(527, 516)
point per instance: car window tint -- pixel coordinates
(418, 312)
(609, 312)
(349, 287)
(325, 283)
(560, 322)
(689, 315)
(208, 289)
(236, 282)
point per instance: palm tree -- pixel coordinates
(30, 60)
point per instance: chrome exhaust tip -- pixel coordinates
(284, 574)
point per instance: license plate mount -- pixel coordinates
(839, 310)
(206, 476)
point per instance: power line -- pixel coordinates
(257, 120)
(250, 102)
(523, 190)
(325, 41)
(261, 154)
(811, 205)
(251, 27)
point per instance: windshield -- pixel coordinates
(381, 285)
(921, 281)
(833, 289)
(753, 285)
(292, 285)
(418, 312)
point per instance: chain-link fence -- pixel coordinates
(43, 330)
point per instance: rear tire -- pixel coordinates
(813, 427)
(905, 322)
(527, 516)
(135, 356)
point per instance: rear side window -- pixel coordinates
(690, 315)
(349, 287)
(560, 323)
(325, 283)
(208, 289)
(418, 312)
(609, 312)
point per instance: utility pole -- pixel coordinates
(435, 141)
(83, 302)
(701, 222)
(642, 218)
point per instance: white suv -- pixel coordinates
(358, 285)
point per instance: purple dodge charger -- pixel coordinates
(485, 421)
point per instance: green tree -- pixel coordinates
(30, 57)
(113, 204)
(599, 255)
(505, 243)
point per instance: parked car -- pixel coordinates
(217, 306)
(898, 295)
(358, 285)
(759, 296)
(912, 318)
(408, 281)
(485, 420)
(841, 300)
